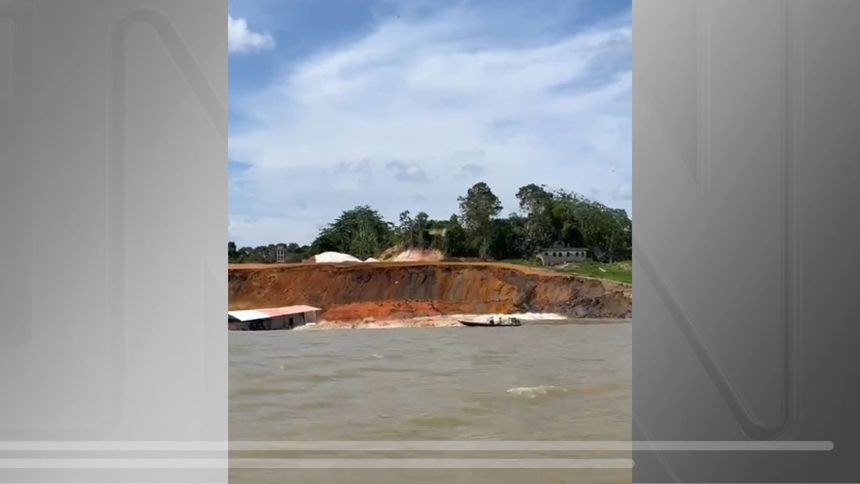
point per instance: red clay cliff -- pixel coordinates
(404, 290)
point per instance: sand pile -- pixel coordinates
(334, 257)
(418, 255)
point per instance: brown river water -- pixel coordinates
(545, 381)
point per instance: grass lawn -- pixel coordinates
(617, 271)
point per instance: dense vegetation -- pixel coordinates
(545, 217)
(266, 253)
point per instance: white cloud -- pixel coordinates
(623, 192)
(241, 39)
(437, 101)
(253, 231)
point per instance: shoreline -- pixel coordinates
(452, 320)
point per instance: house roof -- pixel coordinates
(254, 314)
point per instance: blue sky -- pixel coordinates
(404, 104)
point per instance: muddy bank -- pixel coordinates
(400, 291)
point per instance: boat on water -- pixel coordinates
(492, 324)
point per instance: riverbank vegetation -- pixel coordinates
(545, 217)
(621, 271)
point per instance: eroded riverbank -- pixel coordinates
(379, 293)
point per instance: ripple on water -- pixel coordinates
(325, 377)
(382, 372)
(317, 405)
(436, 421)
(491, 359)
(437, 384)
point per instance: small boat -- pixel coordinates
(487, 324)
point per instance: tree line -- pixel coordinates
(545, 218)
(266, 254)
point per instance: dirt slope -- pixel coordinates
(403, 290)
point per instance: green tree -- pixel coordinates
(546, 217)
(455, 240)
(360, 231)
(536, 203)
(507, 238)
(607, 232)
(566, 222)
(421, 225)
(406, 230)
(232, 252)
(478, 208)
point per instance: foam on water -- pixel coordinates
(521, 316)
(540, 390)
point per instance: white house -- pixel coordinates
(552, 256)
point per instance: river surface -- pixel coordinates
(544, 381)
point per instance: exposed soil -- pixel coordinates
(417, 255)
(385, 291)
